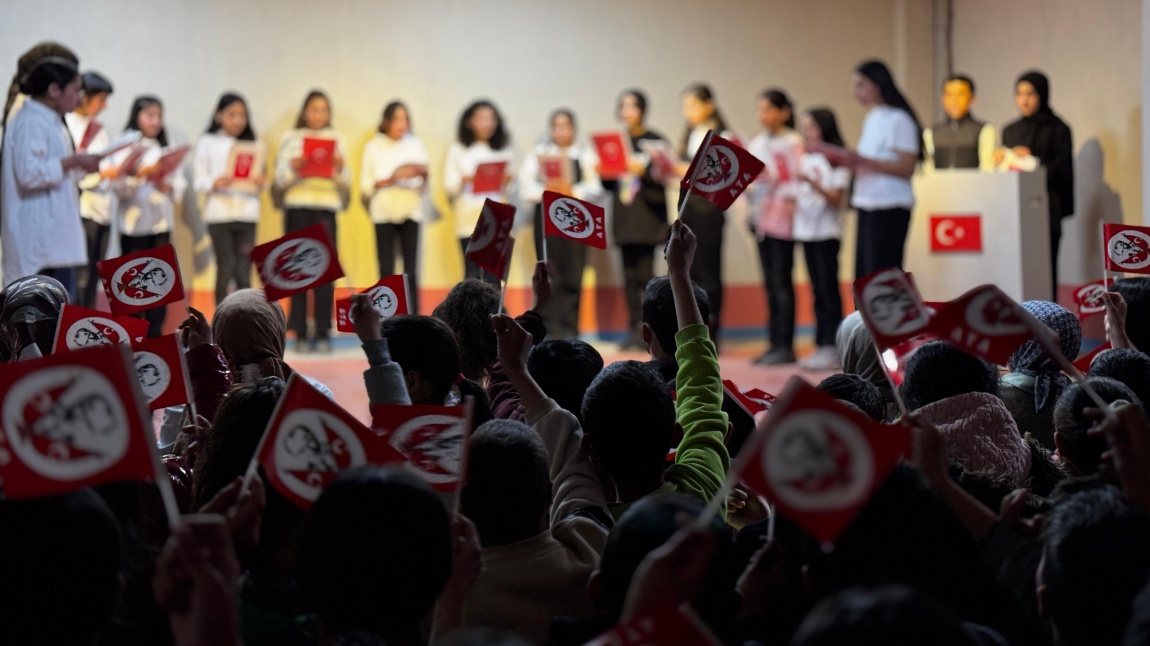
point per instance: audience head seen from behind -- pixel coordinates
(1082, 453)
(1129, 367)
(1136, 293)
(467, 311)
(858, 391)
(938, 370)
(659, 319)
(508, 490)
(31, 306)
(565, 369)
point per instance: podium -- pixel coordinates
(971, 228)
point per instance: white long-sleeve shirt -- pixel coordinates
(141, 208)
(381, 157)
(40, 225)
(95, 191)
(532, 183)
(209, 163)
(311, 192)
(462, 162)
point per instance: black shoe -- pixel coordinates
(321, 346)
(775, 357)
(301, 346)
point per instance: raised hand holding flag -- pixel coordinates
(1088, 299)
(79, 327)
(576, 220)
(432, 438)
(389, 297)
(1127, 248)
(142, 280)
(721, 171)
(297, 262)
(161, 372)
(489, 246)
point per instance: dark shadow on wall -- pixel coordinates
(1095, 202)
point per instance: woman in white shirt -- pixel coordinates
(481, 138)
(95, 188)
(565, 258)
(393, 184)
(231, 209)
(308, 201)
(888, 151)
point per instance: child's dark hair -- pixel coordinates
(564, 369)
(389, 111)
(139, 105)
(562, 112)
(467, 311)
(1136, 292)
(226, 100)
(938, 370)
(1084, 453)
(858, 391)
(961, 78)
(629, 419)
(466, 135)
(828, 125)
(48, 70)
(1129, 367)
(780, 100)
(878, 73)
(658, 309)
(95, 83)
(375, 553)
(301, 120)
(508, 487)
(28, 60)
(639, 97)
(702, 92)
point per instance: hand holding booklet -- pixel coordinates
(245, 166)
(168, 163)
(122, 141)
(489, 177)
(836, 155)
(318, 158)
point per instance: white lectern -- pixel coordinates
(971, 228)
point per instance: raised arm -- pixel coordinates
(384, 378)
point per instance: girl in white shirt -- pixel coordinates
(565, 258)
(393, 184)
(95, 189)
(888, 151)
(309, 201)
(481, 138)
(146, 207)
(41, 230)
(231, 212)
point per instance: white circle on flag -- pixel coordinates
(154, 374)
(91, 331)
(948, 232)
(384, 300)
(143, 281)
(311, 448)
(993, 314)
(720, 169)
(66, 422)
(572, 218)
(296, 263)
(890, 304)
(434, 445)
(1129, 249)
(1089, 298)
(818, 461)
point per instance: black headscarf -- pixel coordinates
(31, 305)
(1048, 139)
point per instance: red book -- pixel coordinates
(721, 171)
(955, 233)
(1088, 299)
(310, 440)
(987, 323)
(819, 461)
(141, 281)
(297, 262)
(318, 158)
(432, 438)
(555, 169)
(168, 163)
(567, 217)
(245, 165)
(612, 150)
(131, 163)
(73, 420)
(1127, 248)
(891, 307)
(489, 177)
(83, 328)
(388, 296)
(161, 371)
(93, 128)
(491, 243)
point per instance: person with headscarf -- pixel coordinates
(1041, 134)
(31, 306)
(1035, 381)
(858, 356)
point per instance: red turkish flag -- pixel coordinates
(490, 246)
(310, 440)
(955, 233)
(1127, 248)
(318, 158)
(754, 401)
(577, 220)
(388, 296)
(161, 371)
(724, 171)
(297, 262)
(79, 327)
(432, 438)
(142, 281)
(1083, 362)
(891, 306)
(612, 150)
(73, 420)
(1088, 299)
(987, 323)
(663, 625)
(818, 460)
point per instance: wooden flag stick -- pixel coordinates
(902, 409)
(695, 173)
(544, 247)
(1105, 253)
(502, 297)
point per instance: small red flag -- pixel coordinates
(663, 625)
(955, 233)
(1088, 298)
(612, 150)
(820, 461)
(72, 420)
(388, 296)
(318, 158)
(310, 440)
(489, 246)
(297, 262)
(432, 438)
(83, 328)
(891, 307)
(724, 171)
(1083, 362)
(1127, 248)
(161, 371)
(141, 281)
(987, 323)
(567, 217)
(754, 401)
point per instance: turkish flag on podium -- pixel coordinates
(389, 297)
(432, 438)
(721, 171)
(490, 244)
(575, 220)
(142, 280)
(1127, 248)
(818, 461)
(297, 262)
(161, 371)
(987, 323)
(891, 307)
(72, 420)
(79, 327)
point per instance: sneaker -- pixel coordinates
(301, 346)
(321, 346)
(775, 357)
(824, 358)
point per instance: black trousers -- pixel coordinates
(881, 240)
(472, 270)
(87, 279)
(706, 221)
(131, 244)
(323, 297)
(232, 243)
(778, 260)
(1055, 241)
(823, 266)
(566, 260)
(638, 269)
(407, 234)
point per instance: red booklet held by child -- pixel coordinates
(90, 133)
(245, 165)
(612, 150)
(132, 161)
(168, 164)
(489, 177)
(318, 158)
(555, 169)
